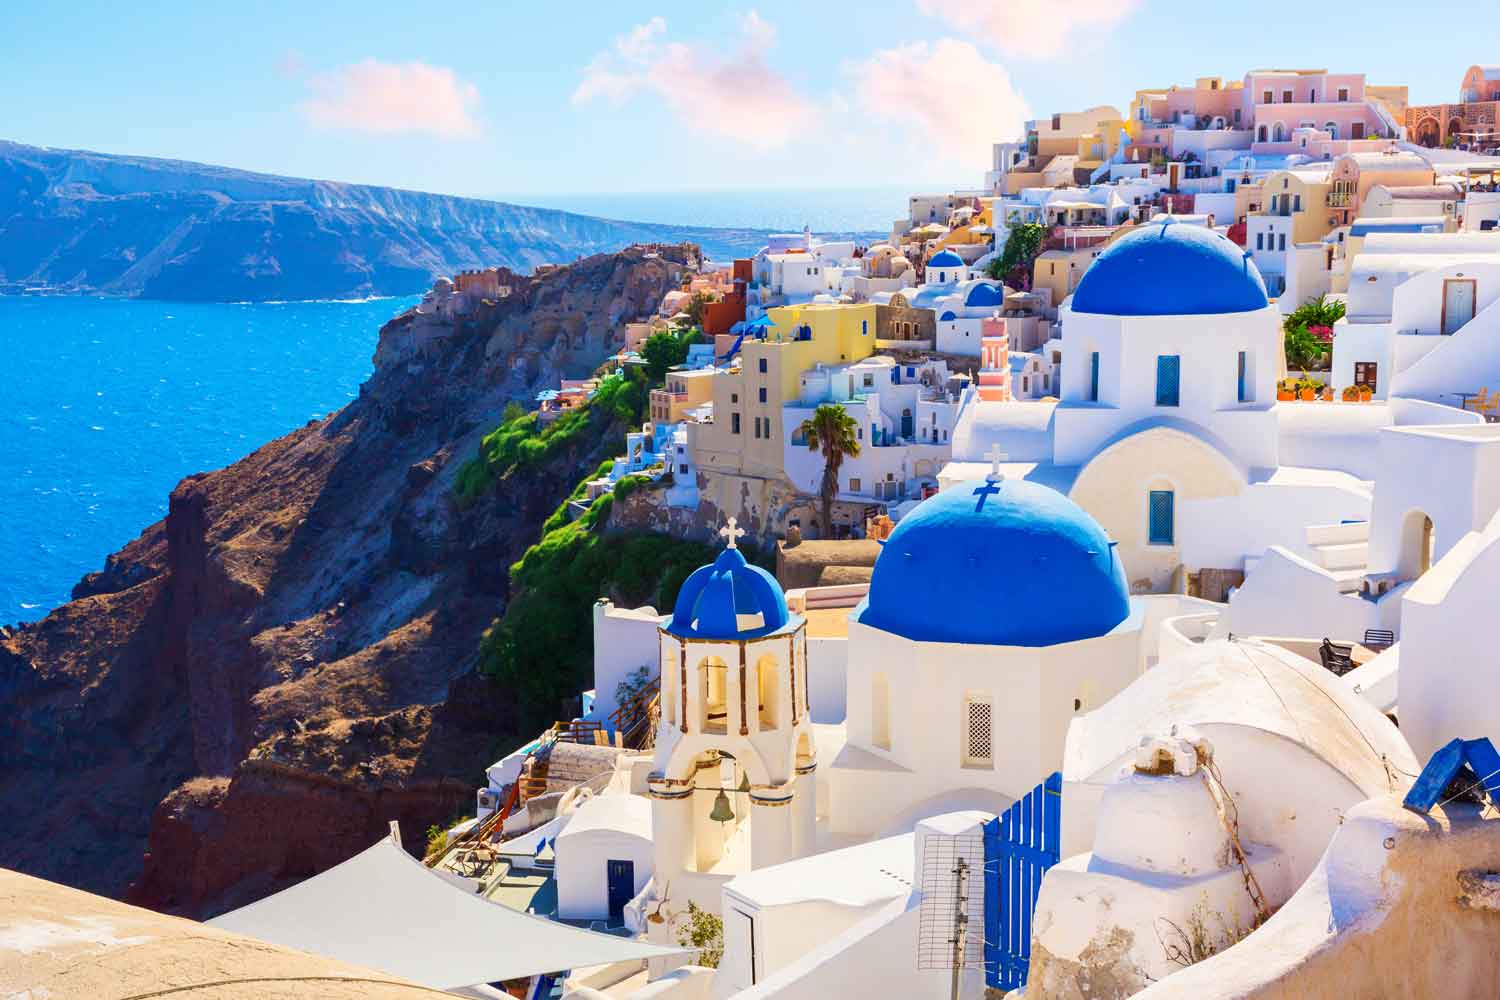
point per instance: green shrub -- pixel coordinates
(541, 649)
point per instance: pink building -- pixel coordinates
(1279, 102)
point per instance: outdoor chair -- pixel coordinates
(1338, 659)
(1379, 638)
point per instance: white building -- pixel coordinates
(904, 416)
(604, 857)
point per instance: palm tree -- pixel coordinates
(831, 431)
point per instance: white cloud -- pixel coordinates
(736, 96)
(959, 102)
(1030, 28)
(393, 99)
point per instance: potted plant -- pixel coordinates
(1328, 394)
(1285, 390)
(1351, 394)
(1365, 393)
(1305, 389)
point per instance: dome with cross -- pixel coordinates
(1167, 268)
(729, 598)
(1000, 562)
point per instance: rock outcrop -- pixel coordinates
(78, 221)
(250, 690)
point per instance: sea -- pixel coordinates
(105, 404)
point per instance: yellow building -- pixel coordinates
(746, 435)
(1066, 148)
(684, 391)
(1301, 195)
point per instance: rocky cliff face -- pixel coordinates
(245, 694)
(78, 221)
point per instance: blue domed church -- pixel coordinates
(1167, 401)
(732, 777)
(997, 611)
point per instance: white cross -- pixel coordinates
(733, 532)
(996, 456)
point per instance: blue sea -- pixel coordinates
(106, 404)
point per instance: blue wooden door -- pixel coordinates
(621, 882)
(1019, 847)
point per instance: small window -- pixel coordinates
(1265, 97)
(1296, 203)
(763, 365)
(734, 397)
(1286, 97)
(853, 484)
(1094, 377)
(762, 394)
(682, 470)
(1243, 393)
(1343, 93)
(1161, 529)
(1168, 379)
(1260, 241)
(979, 739)
(864, 328)
(1280, 246)
(869, 381)
(734, 423)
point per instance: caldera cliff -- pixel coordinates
(250, 690)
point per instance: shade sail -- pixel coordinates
(384, 910)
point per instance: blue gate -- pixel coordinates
(1019, 847)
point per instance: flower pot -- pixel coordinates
(1328, 394)
(1365, 395)
(1285, 395)
(1308, 395)
(1351, 394)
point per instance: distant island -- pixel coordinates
(80, 222)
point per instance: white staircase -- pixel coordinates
(1343, 550)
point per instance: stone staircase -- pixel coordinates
(1343, 550)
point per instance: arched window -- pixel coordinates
(768, 690)
(713, 686)
(1260, 134)
(1333, 129)
(1278, 132)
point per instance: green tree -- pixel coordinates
(665, 349)
(1021, 248)
(830, 431)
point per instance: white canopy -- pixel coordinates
(384, 910)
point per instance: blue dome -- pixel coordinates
(954, 568)
(1171, 269)
(948, 316)
(715, 600)
(945, 258)
(984, 294)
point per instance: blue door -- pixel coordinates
(621, 881)
(908, 429)
(1019, 847)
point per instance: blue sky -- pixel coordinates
(654, 96)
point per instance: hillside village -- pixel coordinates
(1123, 531)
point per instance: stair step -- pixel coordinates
(1338, 534)
(1348, 555)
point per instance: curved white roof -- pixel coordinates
(1021, 430)
(629, 814)
(1244, 683)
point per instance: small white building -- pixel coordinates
(604, 857)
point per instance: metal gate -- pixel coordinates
(1019, 847)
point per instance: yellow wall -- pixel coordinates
(1114, 488)
(1314, 221)
(840, 334)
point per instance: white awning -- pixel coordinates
(384, 910)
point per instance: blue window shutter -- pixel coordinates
(1162, 529)
(1242, 377)
(1168, 379)
(1094, 377)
